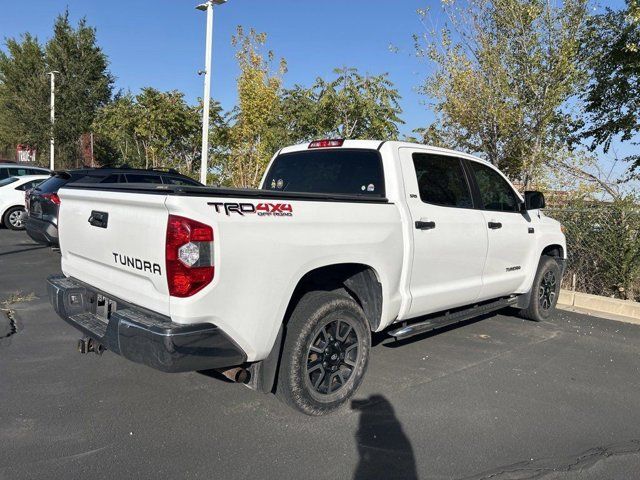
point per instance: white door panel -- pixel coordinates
(509, 246)
(510, 242)
(450, 246)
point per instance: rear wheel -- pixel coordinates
(544, 291)
(14, 218)
(325, 354)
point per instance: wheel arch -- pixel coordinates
(553, 250)
(358, 281)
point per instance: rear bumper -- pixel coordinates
(42, 231)
(143, 336)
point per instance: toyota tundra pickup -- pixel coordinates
(281, 287)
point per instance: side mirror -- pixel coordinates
(534, 200)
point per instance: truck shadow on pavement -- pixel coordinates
(384, 449)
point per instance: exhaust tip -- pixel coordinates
(236, 374)
(243, 376)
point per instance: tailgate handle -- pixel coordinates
(99, 219)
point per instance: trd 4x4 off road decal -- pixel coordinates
(261, 209)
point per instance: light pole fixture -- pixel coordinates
(206, 98)
(52, 144)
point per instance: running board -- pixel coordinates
(451, 318)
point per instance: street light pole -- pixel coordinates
(53, 118)
(206, 99)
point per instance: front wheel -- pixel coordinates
(14, 218)
(325, 354)
(544, 291)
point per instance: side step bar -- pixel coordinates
(450, 318)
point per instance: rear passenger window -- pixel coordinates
(114, 178)
(90, 179)
(441, 180)
(495, 193)
(181, 181)
(141, 178)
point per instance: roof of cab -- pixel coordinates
(378, 144)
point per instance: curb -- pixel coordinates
(622, 310)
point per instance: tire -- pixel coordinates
(13, 218)
(544, 291)
(325, 353)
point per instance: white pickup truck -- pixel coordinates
(282, 286)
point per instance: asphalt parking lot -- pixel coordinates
(500, 398)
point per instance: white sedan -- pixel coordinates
(12, 192)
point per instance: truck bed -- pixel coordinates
(260, 252)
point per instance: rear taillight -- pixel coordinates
(53, 197)
(189, 256)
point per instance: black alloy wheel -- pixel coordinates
(544, 290)
(332, 356)
(547, 290)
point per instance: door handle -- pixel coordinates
(495, 225)
(420, 225)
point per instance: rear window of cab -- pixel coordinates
(339, 171)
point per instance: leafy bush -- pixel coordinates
(603, 247)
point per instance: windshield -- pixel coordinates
(8, 181)
(341, 171)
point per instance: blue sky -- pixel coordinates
(160, 43)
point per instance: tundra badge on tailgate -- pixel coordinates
(138, 264)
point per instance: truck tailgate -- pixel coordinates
(115, 241)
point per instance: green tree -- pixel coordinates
(184, 152)
(612, 101)
(24, 95)
(83, 85)
(504, 72)
(254, 135)
(349, 106)
(155, 129)
(161, 118)
(115, 128)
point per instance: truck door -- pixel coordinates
(510, 231)
(449, 235)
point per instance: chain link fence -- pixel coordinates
(603, 248)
